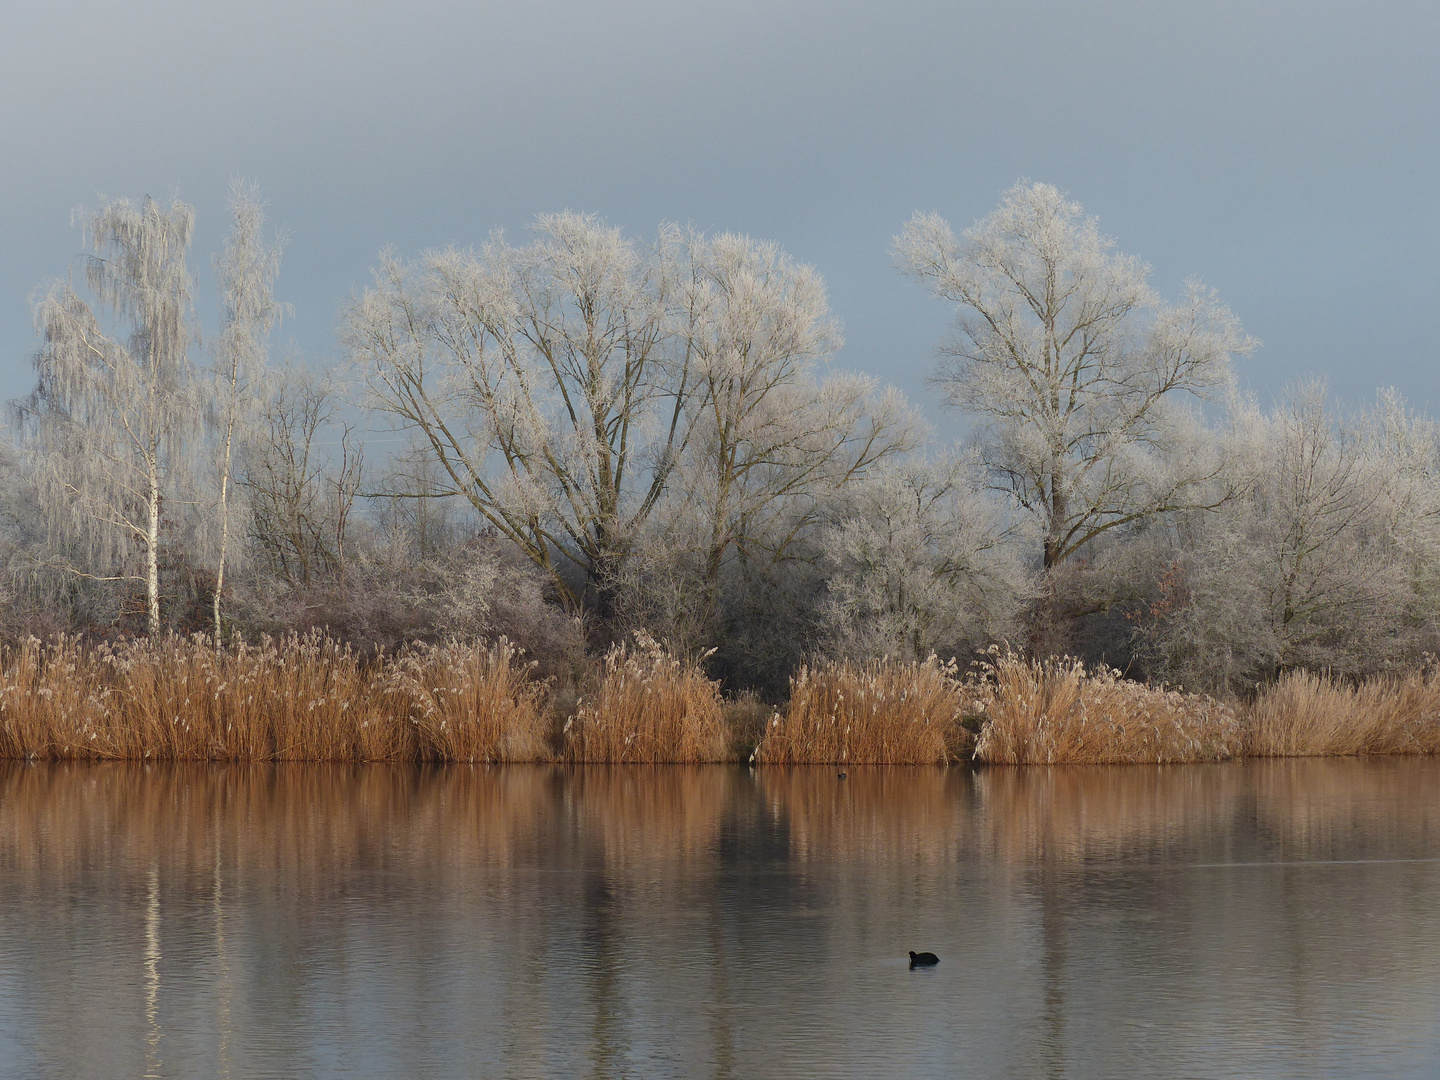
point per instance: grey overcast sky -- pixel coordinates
(1285, 152)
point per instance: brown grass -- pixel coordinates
(879, 713)
(471, 702)
(313, 699)
(1058, 712)
(647, 706)
(1309, 715)
(295, 699)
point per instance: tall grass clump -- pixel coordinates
(883, 712)
(1304, 714)
(1057, 711)
(471, 702)
(298, 698)
(648, 706)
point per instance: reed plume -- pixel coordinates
(299, 698)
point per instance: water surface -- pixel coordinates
(1261, 919)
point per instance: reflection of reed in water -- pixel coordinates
(63, 820)
(321, 822)
(637, 817)
(875, 813)
(329, 823)
(1076, 812)
(517, 910)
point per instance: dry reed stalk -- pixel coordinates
(880, 713)
(1058, 712)
(747, 717)
(1308, 715)
(472, 702)
(296, 699)
(648, 706)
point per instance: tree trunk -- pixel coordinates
(224, 539)
(152, 547)
(1059, 506)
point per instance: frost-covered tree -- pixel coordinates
(1075, 370)
(111, 415)
(247, 269)
(917, 562)
(1316, 565)
(770, 437)
(543, 380)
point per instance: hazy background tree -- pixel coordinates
(110, 418)
(302, 492)
(1073, 368)
(247, 268)
(919, 561)
(1316, 565)
(600, 435)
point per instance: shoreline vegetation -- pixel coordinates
(312, 698)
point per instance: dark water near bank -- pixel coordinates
(1261, 919)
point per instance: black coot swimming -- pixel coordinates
(923, 959)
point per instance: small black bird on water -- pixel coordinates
(923, 959)
(841, 775)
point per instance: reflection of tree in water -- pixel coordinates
(710, 920)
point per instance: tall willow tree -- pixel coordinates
(111, 413)
(247, 268)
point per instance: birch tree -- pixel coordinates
(247, 269)
(111, 414)
(1075, 370)
(544, 382)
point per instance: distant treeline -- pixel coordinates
(602, 435)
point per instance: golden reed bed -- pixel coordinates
(314, 699)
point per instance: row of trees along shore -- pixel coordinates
(586, 435)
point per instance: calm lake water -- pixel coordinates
(1260, 919)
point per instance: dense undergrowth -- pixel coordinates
(310, 698)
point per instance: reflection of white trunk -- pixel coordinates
(153, 1034)
(222, 962)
